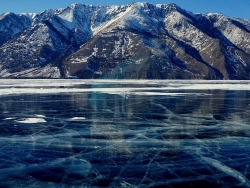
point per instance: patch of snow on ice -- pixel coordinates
(32, 120)
(77, 118)
(10, 118)
(41, 116)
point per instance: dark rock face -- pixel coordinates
(11, 25)
(136, 41)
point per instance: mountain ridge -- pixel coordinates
(134, 41)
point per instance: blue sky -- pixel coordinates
(234, 8)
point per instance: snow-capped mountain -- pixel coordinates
(138, 40)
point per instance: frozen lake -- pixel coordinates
(108, 133)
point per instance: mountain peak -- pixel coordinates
(169, 6)
(140, 5)
(29, 15)
(6, 14)
(173, 5)
(77, 5)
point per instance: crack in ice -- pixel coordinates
(226, 169)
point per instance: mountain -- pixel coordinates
(134, 41)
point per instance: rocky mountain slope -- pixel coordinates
(134, 41)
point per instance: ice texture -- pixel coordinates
(110, 133)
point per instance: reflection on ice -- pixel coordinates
(115, 134)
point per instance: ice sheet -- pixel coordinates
(88, 133)
(9, 87)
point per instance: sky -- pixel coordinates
(232, 8)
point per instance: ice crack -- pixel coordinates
(229, 171)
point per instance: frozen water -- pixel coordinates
(109, 133)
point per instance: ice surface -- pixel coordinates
(110, 133)
(67, 86)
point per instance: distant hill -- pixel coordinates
(134, 41)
